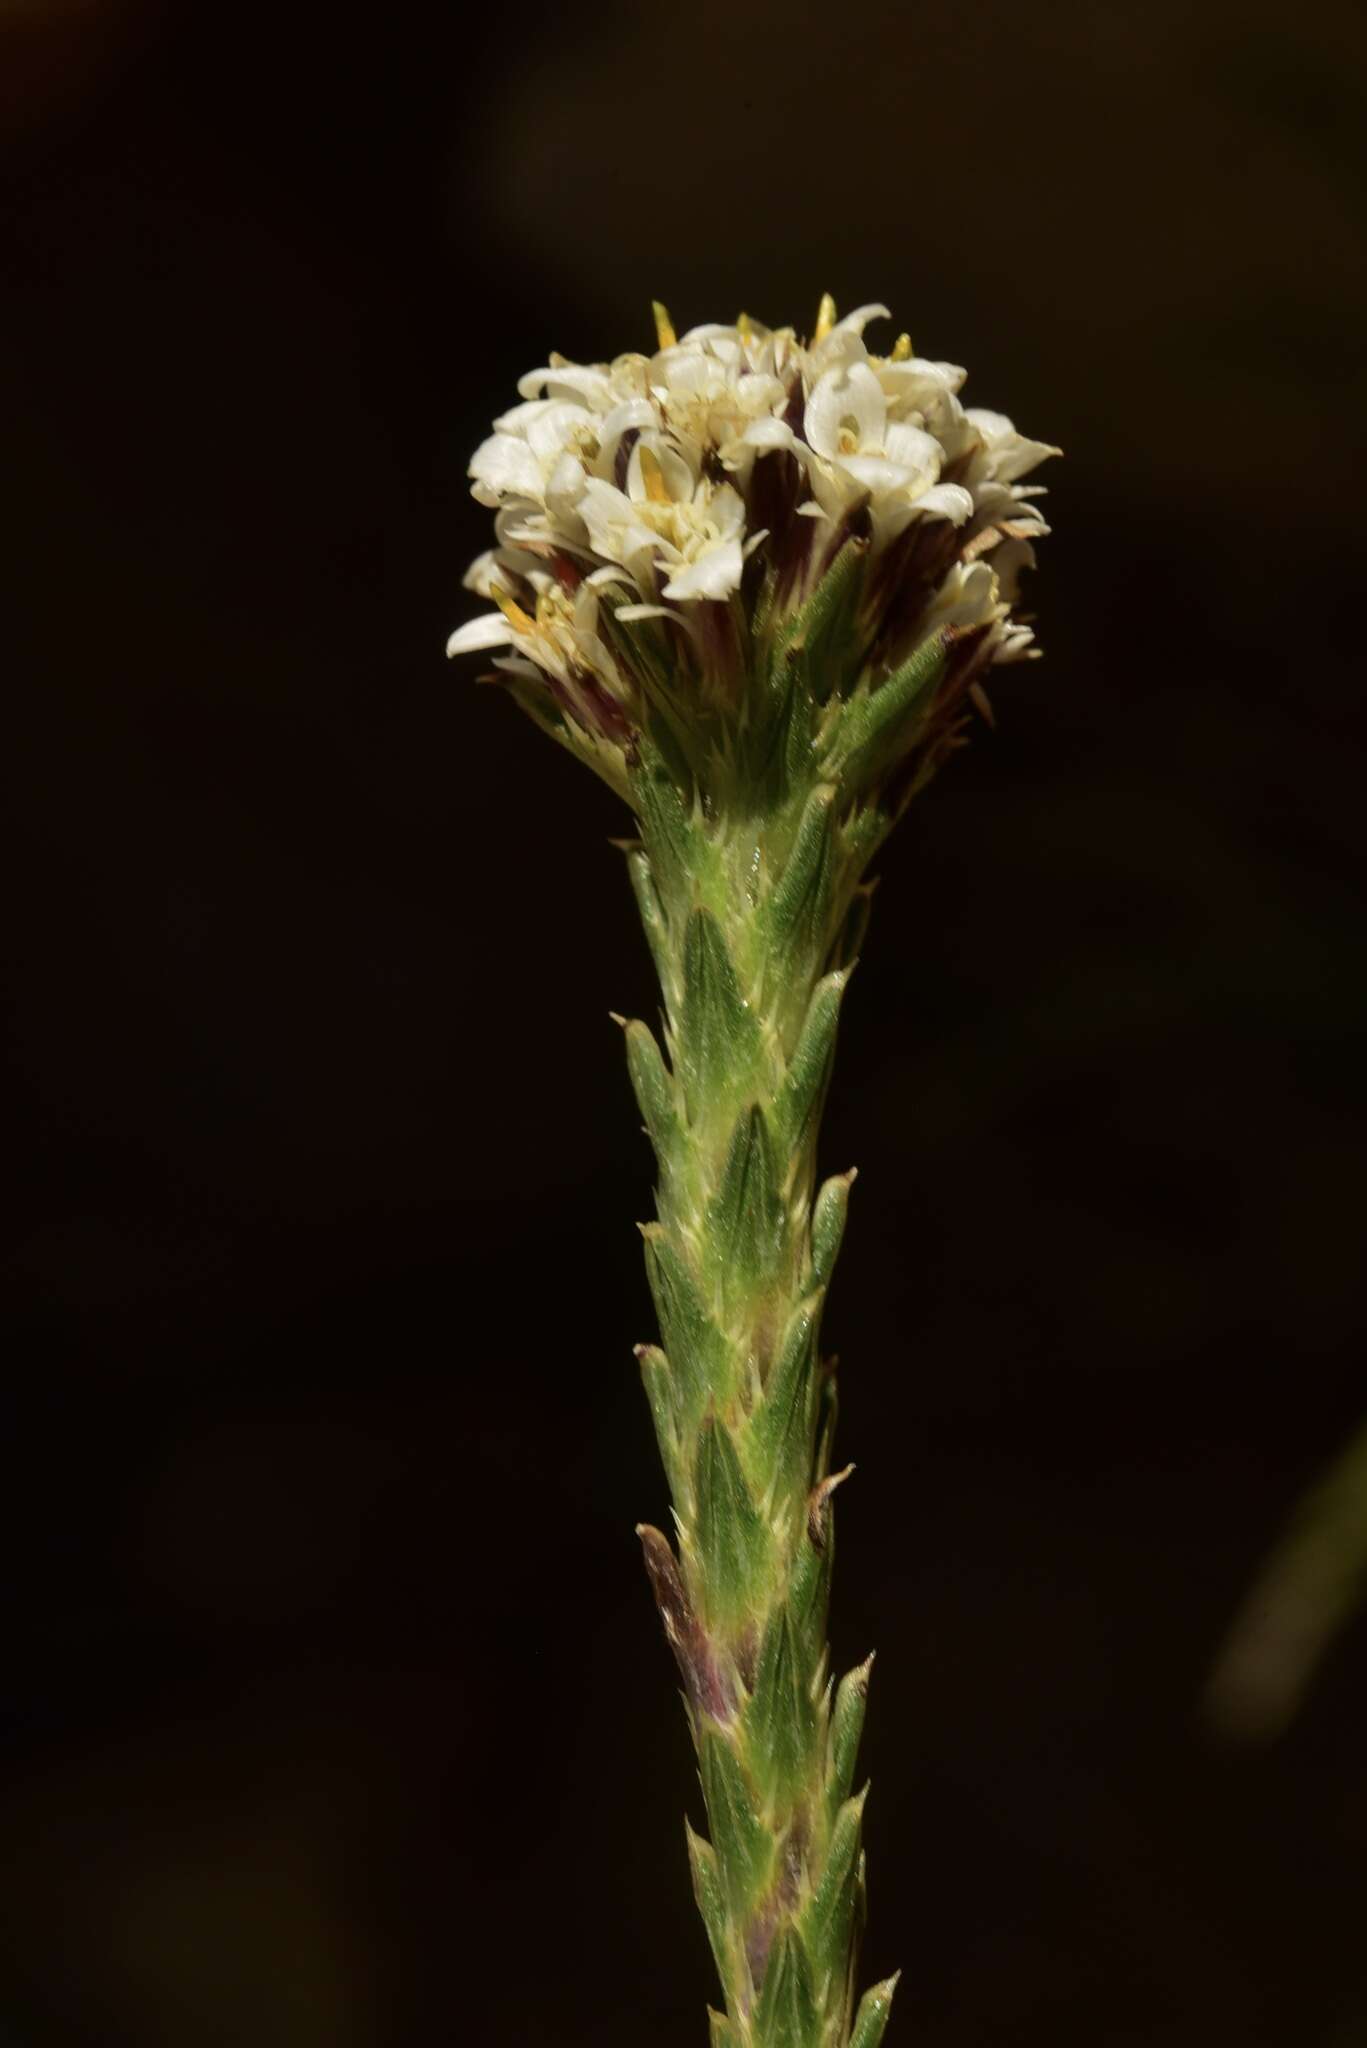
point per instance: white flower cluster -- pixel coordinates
(641, 485)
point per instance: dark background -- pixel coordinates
(332, 1704)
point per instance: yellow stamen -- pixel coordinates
(513, 613)
(743, 326)
(652, 476)
(825, 317)
(664, 326)
(901, 349)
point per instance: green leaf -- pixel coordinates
(710, 1894)
(809, 1587)
(876, 728)
(654, 1087)
(781, 747)
(659, 1386)
(859, 848)
(652, 918)
(746, 1215)
(786, 2015)
(780, 1721)
(666, 826)
(722, 2034)
(828, 1921)
(718, 1037)
(698, 1352)
(872, 2016)
(731, 1541)
(743, 1845)
(847, 1725)
(824, 628)
(781, 1427)
(828, 1223)
(796, 909)
(804, 1085)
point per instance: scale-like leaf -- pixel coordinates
(781, 1429)
(653, 920)
(786, 2014)
(872, 2016)
(828, 1920)
(653, 1086)
(696, 1347)
(717, 1035)
(875, 728)
(796, 909)
(731, 1541)
(780, 1721)
(847, 1725)
(710, 1894)
(658, 1383)
(746, 1216)
(666, 826)
(744, 1848)
(828, 1224)
(823, 630)
(804, 1085)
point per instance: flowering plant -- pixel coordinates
(755, 584)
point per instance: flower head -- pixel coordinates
(664, 521)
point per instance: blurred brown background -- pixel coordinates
(332, 1708)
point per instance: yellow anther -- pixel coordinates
(901, 349)
(743, 326)
(652, 476)
(513, 613)
(825, 317)
(664, 326)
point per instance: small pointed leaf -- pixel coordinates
(875, 728)
(828, 1224)
(710, 1894)
(746, 1218)
(718, 1037)
(786, 2015)
(804, 1085)
(872, 2016)
(666, 826)
(823, 630)
(781, 1428)
(847, 1725)
(656, 1378)
(652, 918)
(808, 1596)
(780, 1721)
(654, 1087)
(828, 1921)
(730, 1539)
(697, 1350)
(743, 1846)
(795, 911)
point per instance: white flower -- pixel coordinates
(894, 464)
(642, 488)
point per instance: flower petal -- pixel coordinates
(846, 400)
(506, 464)
(490, 629)
(945, 501)
(715, 573)
(579, 380)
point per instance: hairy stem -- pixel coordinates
(751, 911)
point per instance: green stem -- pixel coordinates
(749, 910)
